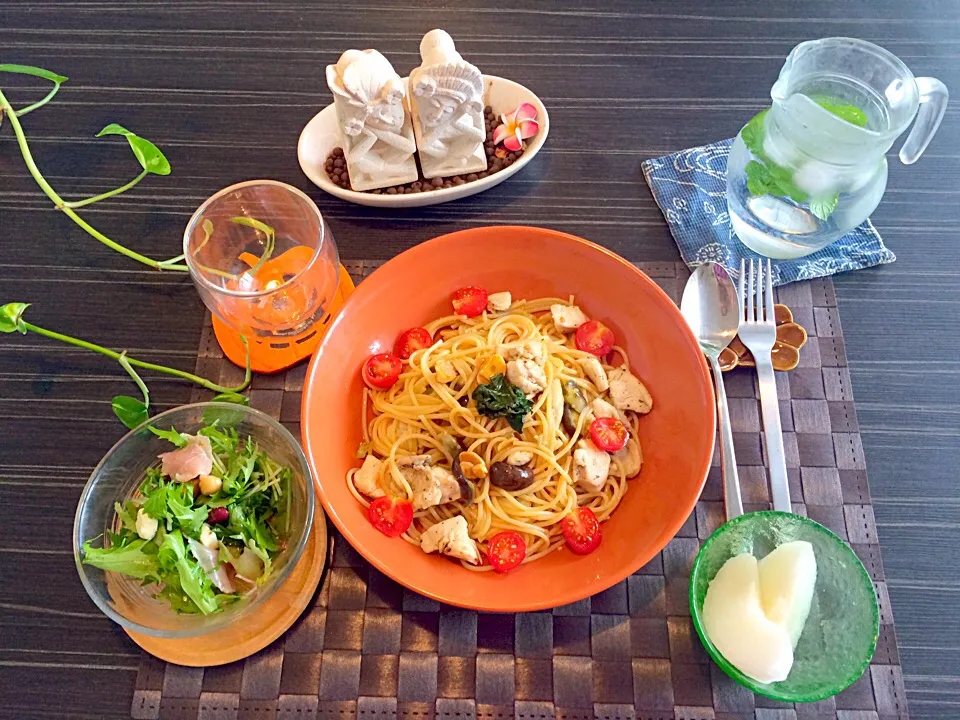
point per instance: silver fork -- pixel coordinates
(758, 331)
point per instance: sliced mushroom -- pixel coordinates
(467, 491)
(574, 403)
(511, 477)
(449, 443)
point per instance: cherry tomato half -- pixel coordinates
(506, 550)
(382, 370)
(390, 516)
(412, 340)
(609, 434)
(595, 338)
(469, 301)
(581, 530)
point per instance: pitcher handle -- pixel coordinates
(933, 103)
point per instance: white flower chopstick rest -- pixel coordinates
(376, 131)
(447, 101)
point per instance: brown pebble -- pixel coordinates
(508, 162)
(458, 180)
(471, 177)
(378, 191)
(489, 151)
(416, 185)
(391, 191)
(482, 175)
(338, 163)
(447, 184)
(513, 156)
(437, 182)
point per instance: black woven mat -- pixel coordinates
(369, 648)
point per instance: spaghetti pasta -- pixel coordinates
(430, 410)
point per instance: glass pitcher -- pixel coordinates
(813, 166)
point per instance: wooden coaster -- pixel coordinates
(274, 618)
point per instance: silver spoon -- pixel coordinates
(711, 309)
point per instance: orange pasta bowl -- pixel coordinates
(414, 288)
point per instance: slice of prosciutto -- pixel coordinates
(189, 462)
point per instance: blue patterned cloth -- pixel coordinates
(691, 189)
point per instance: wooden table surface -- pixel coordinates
(224, 87)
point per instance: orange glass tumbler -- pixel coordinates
(266, 266)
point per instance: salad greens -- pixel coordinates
(499, 398)
(765, 177)
(237, 531)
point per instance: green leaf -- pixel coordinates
(156, 503)
(823, 207)
(180, 505)
(127, 514)
(130, 411)
(759, 181)
(129, 559)
(171, 435)
(31, 70)
(148, 155)
(499, 398)
(752, 133)
(11, 317)
(851, 113)
(772, 180)
(193, 581)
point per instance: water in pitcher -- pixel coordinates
(813, 166)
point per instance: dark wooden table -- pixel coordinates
(225, 88)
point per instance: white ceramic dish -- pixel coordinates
(321, 135)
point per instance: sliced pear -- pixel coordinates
(734, 620)
(788, 577)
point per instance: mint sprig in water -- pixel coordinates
(249, 531)
(765, 177)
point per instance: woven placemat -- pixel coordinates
(369, 648)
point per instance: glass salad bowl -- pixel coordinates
(132, 602)
(841, 632)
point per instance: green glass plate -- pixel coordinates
(841, 633)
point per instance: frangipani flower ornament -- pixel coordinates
(517, 126)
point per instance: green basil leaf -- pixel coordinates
(147, 154)
(823, 207)
(11, 319)
(130, 411)
(31, 70)
(851, 113)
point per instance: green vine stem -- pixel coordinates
(151, 160)
(202, 382)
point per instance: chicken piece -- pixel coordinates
(519, 458)
(365, 479)
(593, 369)
(449, 487)
(527, 375)
(532, 350)
(628, 393)
(629, 458)
(499, 302)
(452, 538)
(591, 466)
(602, 409)
(191, 461)
(446, 372)
(567, 318)
(430, 485)
(556, 402)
